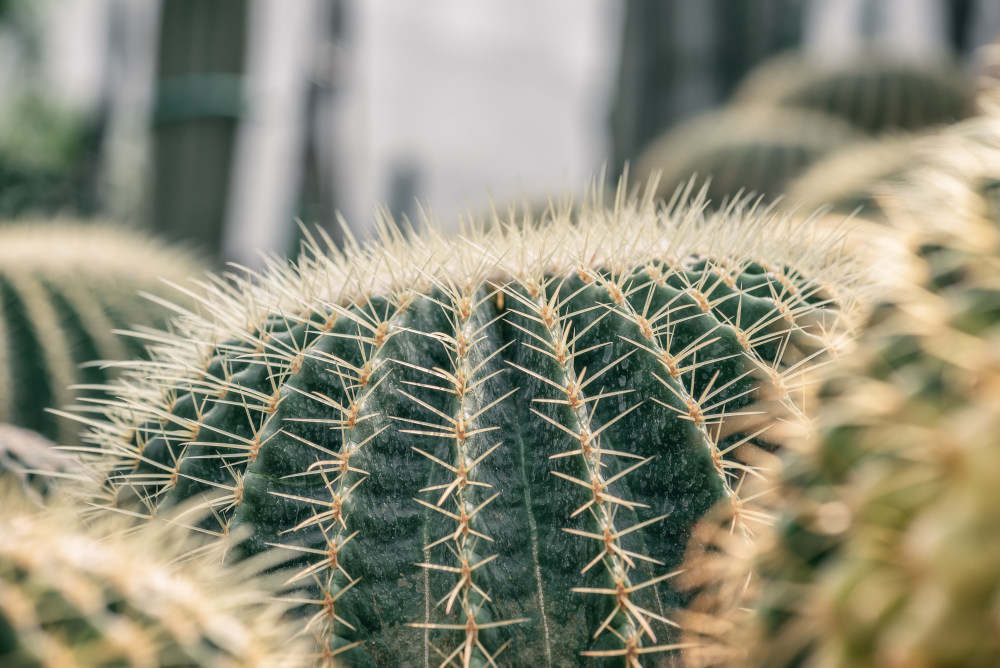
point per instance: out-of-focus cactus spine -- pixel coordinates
(110, 596)
(743, 150)
(849, 179)
(484, 446)
(63, 288)
(886, 551)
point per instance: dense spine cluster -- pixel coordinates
(487, 449)
(109, 595)
(873, 94)
(853, 179)
(64, 288)
(743, 150)
(884, 550)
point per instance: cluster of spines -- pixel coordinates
(360, 382)
(853, 178)
(556, 340)
(876, 493)
(743, 150)
(64, 288)
(112, 593)
(315, 306)
(872, 92)
(467, 548)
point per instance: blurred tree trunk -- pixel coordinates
(679, 57)
(199, 95)
(317, 203)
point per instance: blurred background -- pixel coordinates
(218, 123)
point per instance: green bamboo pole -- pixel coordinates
(197, 109)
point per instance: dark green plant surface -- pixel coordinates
(63, 288)
(489, 448)
(743, 150)
(871, 92)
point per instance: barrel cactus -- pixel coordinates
(104, 596)
(483, 449)
(63, 288)
(886, 551)
(871, 92)
(743, 150)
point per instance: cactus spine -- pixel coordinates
(885, 549)
(743, 150)
(483, 447)
(105, 596)
(63, 289)
(851, 179)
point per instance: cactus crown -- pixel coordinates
(64, 287)
(490, 444)
(111, 596)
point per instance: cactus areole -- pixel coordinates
(490, 448)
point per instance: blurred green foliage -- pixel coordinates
(48, 159)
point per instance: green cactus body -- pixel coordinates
(63, 289)
(886, 550)
(743, 150)
(109, 595)
(870, 92)
(482, 449)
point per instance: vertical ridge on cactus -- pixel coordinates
(64, 288)
(484, 448)
(110, 594)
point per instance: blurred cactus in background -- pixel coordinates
(884, 548)
(679, 57)
(871, 92)
(848, 179)
(744, 150)
(104, 594)
(63, 288)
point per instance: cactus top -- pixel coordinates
(484, 446)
